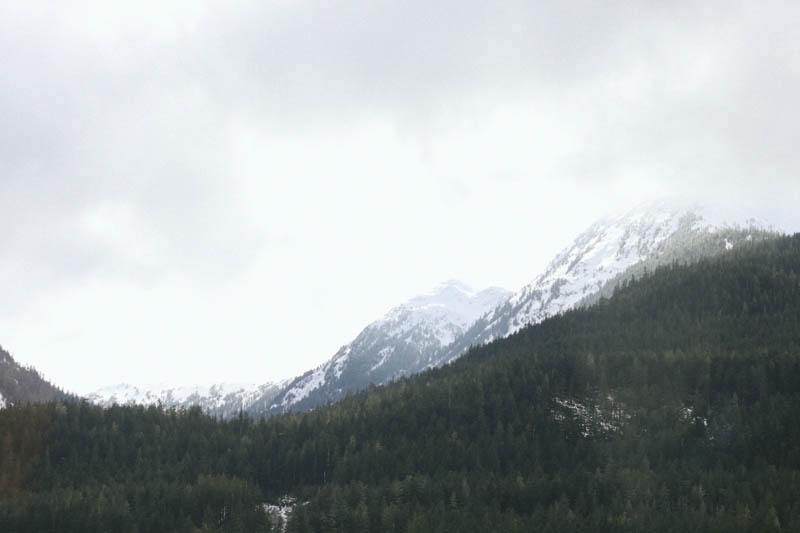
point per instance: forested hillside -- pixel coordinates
(670, 406)
(20, 385)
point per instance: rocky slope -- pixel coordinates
(404, 341)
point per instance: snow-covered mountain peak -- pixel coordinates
(224, 399)
(694, 215)
(404, 341)
(449, 294)
(607, 248)
(455, 299)
(124, 393)
(452, 285)
(614, 246)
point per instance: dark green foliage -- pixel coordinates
(671, 406)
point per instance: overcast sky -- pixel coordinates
(193, 192)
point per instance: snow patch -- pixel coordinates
(383, 355)
(687, 414)
(594, 419)
(338, 366)
(305, 387)
(279, 514)
(209, 397)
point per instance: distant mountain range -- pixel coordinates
(437, 327)
(434, 329)
(220, 399)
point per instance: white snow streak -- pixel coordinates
(383, 355)
(304, 388)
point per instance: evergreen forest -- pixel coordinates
(670, 406)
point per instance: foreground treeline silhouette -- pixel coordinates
(672, 405)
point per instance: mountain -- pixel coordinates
(437, 328)
(610, 251)
(671, 406)
(21, 385)
(221, 399)
(406, 340)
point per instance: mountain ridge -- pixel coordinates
(437, 327)
(403, 341)
(218, 399)
(612, 249)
